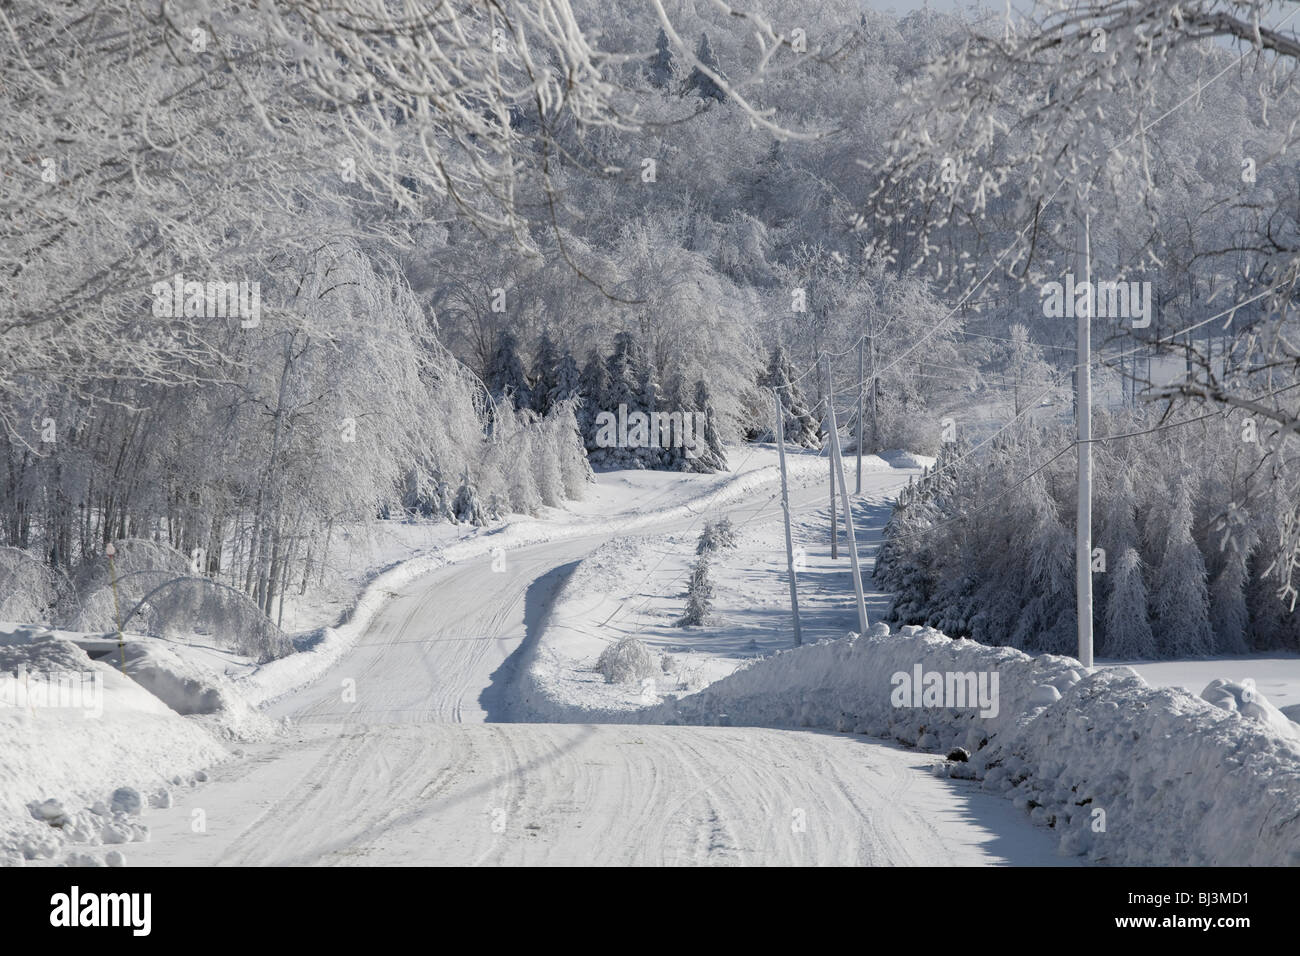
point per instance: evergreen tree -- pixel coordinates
(1048, 621)
(699, 595)
(1127, 632)
(625, 368)
(467, 507)
(625, 371)
(565, 383)
(1272, 624)
(662, 68)
(545, 369)
(655, 453)
(1116, 534)
(1229, 615)
(800, 426)
(505, 377)
(712, 455)
(593, 386)
(675, 457)
(1118, 525)
(1182, 603)
(701, 83)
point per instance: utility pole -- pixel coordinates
(862, 341)
(838, 463)
(785, 508)
(1083, 416)
(111, 552)
(830, 423)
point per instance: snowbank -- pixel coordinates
(194, 690)
(94, 747)
(1128, 774)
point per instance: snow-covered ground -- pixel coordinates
(620, 501)
(1121, 772)
(384, 762)
(635, 586)
(186, 702)
(85, 746)
(390, 737)
(1277, 676)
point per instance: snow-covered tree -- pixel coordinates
(505, 376)
(662, 68)
(699, 595)
(1126, 634)
(713, 455)
(800, 426)
(467, 507)
(1180, 599)
(593, 387)
(1229, 613)
(698, 81)
(1028, 376)
(556, 375)
(1047, 622)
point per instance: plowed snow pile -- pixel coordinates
(81, 765)
(1128, 774)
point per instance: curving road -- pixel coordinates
(400, 755)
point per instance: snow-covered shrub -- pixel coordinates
(902, 420)
(28, 587)
(716, 535)
(427, 494)
(109, 588)
(699, 595)
(626, 660)
(467, 507)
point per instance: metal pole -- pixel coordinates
(785, 508)
(848, 523)
(1083, 407)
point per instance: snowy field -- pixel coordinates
(1276, 675)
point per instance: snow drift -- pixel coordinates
(1126, 773)
(58, 758)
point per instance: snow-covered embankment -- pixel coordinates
(1128, 774)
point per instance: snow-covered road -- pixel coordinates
(478, 794)
(401, 754)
